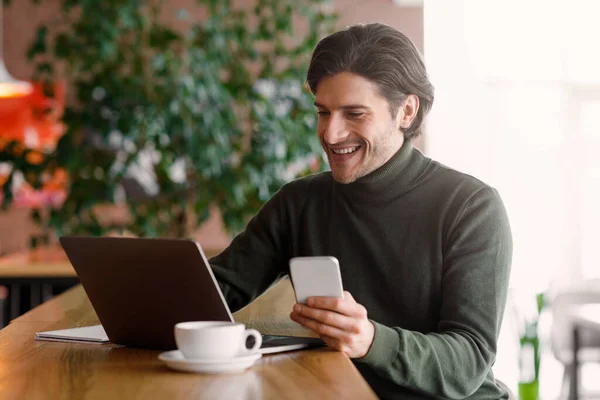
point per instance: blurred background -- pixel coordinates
(180, 118)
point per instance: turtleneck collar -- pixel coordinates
(398, 175)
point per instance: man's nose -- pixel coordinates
(335, 131)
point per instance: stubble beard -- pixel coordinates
(380, 152)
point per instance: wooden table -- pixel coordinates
(43, 262)
(39, 269)
(582, 317)
(32, 369)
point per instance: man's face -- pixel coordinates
(355, 126)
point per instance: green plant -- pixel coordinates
(527, 313)
(212, 111)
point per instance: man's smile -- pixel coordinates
(348, 150)
(343, 156)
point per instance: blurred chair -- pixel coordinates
(561, 301)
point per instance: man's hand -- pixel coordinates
(341, 323)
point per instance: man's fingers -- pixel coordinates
(332, 342)
(318, 327)
(343, 344)
(346, 306)
(332, 318)
(348, 296)
(352, 335)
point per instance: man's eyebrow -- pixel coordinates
(345, 106)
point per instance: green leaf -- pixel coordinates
(45, 68)
(7, 192)
(540, 300)
(36, 216)
(62, 46)
(39, 43)
(68, 5)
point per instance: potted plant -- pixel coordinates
(167, 119)
(527, 309)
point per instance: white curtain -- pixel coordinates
(518, 106)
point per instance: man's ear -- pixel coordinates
(408, 111)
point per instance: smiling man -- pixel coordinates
(424, 250)
(358, 130)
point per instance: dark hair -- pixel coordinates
(381, 54)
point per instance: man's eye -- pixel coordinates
(355, 114)
(323, 113)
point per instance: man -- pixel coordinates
(424, 250)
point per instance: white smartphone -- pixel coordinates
(316, 276)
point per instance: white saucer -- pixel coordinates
(175, 360)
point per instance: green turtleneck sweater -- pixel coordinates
(425, 249)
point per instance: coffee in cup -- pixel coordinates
(215, 339)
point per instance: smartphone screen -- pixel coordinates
(316, 276)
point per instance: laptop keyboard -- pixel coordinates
(269, 341)
(274, 341)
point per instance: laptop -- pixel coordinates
(140, 288)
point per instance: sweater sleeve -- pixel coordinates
(256, 258)
(454, 361)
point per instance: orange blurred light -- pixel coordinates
(14, 89)
(9, 86)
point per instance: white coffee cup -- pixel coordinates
(214, 339)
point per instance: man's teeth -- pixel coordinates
(346, 151)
